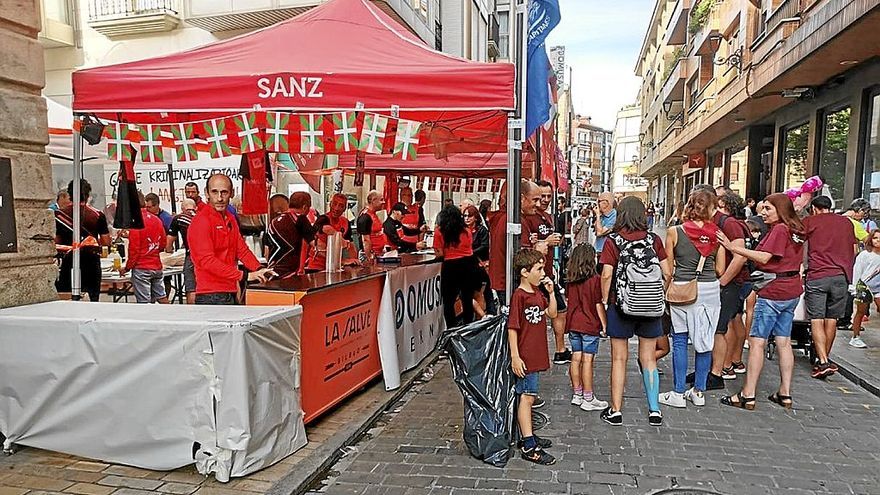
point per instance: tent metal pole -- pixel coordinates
(171, 189)
(75, 274)
(518, 51)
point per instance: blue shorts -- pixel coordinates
(621, 326)
(773, 318)
(527, 385)
(581, 342)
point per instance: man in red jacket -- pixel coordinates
(216, 247)
(144, 246)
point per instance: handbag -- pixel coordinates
(684, 293)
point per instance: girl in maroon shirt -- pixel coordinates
(779, 253)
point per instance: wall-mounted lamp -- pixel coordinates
(732, 60)
(667, 106)
(641, 136)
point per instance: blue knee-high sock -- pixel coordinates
(679, 361)
(702, 365)
(652, 388)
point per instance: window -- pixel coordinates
(583, 155)
(794, 157)
(626, 152)
(632, 126)
(503, 33)
(736, 159)
(583, 138)
(832, 155)
(57, 10)
(871, 163)
(420, 7)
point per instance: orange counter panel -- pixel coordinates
(339, 340)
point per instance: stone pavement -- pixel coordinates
(829, 443)
(38, 472)
(861, 366)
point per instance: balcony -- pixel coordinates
(703, 23)
(116, 18)
(235, 15)
(676, 30)
(673, 88)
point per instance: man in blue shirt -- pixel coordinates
(152, 203)
(605, 216)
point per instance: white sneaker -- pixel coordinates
(858, 342)
(594, 405)
(695, 396)
(673, 399)
(577, 399)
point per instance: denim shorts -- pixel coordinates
(528, 385)
(581, 342)
(773, 318)
(148, 285)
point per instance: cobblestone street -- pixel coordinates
(827, 444)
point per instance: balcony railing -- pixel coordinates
(122, 18)
(788, 10)
(114, 9)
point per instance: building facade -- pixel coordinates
(759, 95)
(592, 159)
(625, 154)
(27, 245)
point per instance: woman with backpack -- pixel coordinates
(779, 256)
(694, 296)
(633, 272)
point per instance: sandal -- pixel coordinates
(782, 400)
(739, 400)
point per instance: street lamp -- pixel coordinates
(667, 106)
(732, 60)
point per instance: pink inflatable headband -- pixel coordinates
(810, 185)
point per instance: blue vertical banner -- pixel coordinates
(543, 17)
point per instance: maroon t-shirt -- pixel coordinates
(733, 229)
(528, 320)
(582, 298)
(498, 249)
(788, 252)
(538, 223)
(831, 248)
(611, 254)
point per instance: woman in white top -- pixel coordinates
(865, 285)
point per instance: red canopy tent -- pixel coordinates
(331, 58)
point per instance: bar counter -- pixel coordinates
(339, 331)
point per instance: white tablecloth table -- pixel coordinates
(154, 386)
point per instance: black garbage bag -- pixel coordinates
(480, 359)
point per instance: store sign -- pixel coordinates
(8, 234)
(290, 87)
(410, 319)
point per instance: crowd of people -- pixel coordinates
(716, 279)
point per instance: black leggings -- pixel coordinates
(459, 278)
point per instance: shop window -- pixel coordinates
(794, 157)
(736, 160)
(832, 158)
(871, 184)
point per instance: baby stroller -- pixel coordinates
(801, 334)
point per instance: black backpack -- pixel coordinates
(639, 279)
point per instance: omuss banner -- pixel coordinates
(410, 319)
